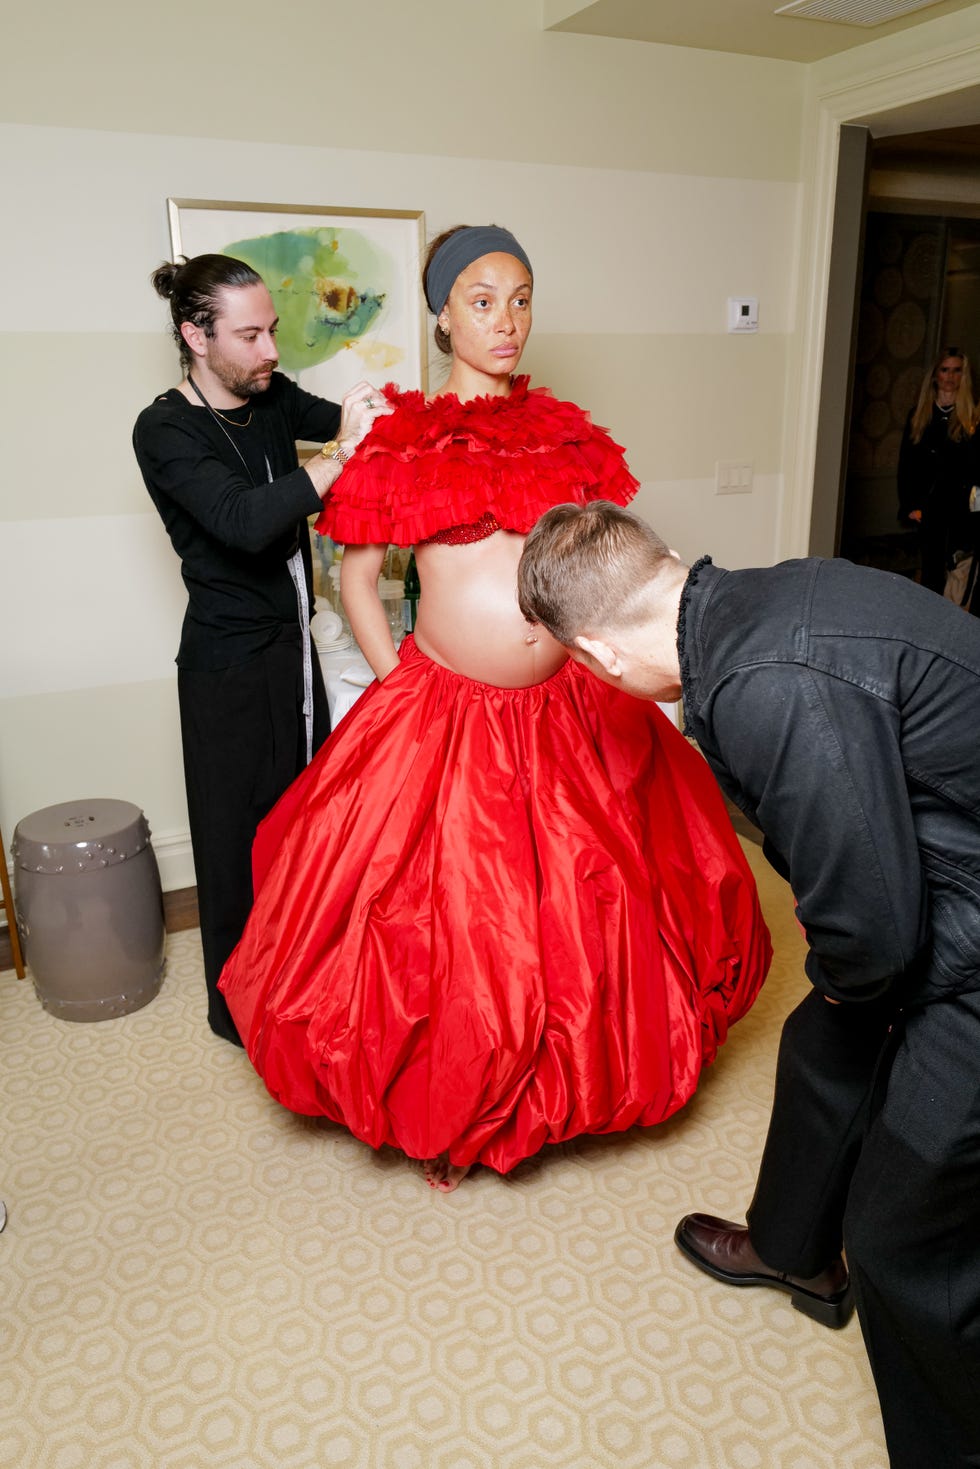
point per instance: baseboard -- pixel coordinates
(175, 860)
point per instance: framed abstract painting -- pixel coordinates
(345, 283)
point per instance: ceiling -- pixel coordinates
(748, 27)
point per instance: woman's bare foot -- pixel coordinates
(443, 1175)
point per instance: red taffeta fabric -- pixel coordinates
(489, 919)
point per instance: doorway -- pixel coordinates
(920, 103)
(919, 291)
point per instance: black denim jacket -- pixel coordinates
(839, 707)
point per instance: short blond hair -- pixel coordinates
(587, 568)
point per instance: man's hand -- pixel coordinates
(358, 410)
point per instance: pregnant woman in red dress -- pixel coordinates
(504, 906)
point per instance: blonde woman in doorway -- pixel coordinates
(933, 464)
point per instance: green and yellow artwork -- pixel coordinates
(329, 286)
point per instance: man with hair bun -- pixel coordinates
(218, 454)
(838, 707)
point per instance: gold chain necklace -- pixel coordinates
(234, 421)
(217, 412)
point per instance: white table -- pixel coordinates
(342, 694)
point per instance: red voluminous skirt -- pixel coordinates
(489, 919)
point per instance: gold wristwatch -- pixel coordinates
(333, 450)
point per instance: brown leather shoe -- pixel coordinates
(724, 1250)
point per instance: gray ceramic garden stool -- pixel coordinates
(88, 899)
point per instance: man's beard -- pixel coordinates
(242, 384)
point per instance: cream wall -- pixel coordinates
(648, 183)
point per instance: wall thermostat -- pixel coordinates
(743, 314)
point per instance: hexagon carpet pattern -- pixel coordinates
(192, 1278)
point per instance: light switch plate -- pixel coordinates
(733, 477)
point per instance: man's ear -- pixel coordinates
(604, 655)
(195, 338)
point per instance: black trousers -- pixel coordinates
(875, 1142)
(244, 742)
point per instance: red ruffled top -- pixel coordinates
(432, 465)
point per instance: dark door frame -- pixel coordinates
(840, 338)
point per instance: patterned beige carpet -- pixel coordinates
(192, 1278)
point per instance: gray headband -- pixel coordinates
(470, 243)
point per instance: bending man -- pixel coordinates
(838, 707)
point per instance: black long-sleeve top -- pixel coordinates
(933, 474)
(232, 528)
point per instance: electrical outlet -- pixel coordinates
(733, 477)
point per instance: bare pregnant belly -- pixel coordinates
(469, 620)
